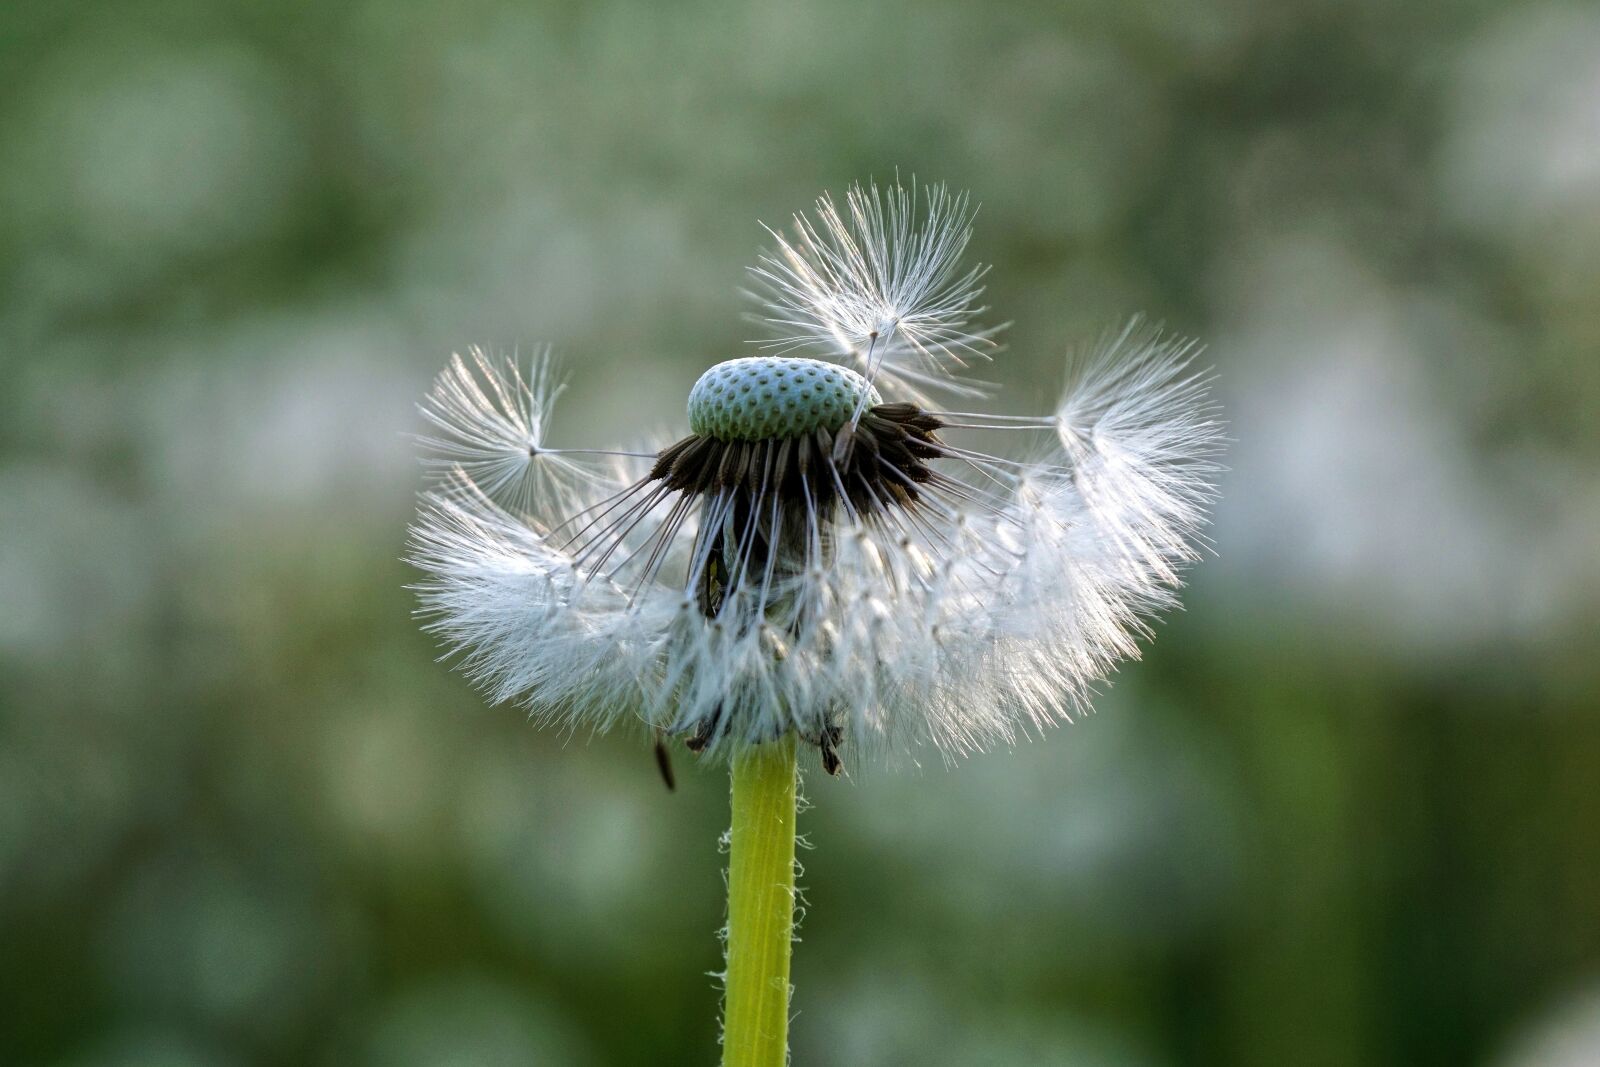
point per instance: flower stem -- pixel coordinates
(755, 1029)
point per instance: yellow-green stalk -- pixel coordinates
(755, 1025)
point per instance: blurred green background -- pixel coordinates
(1346, 811)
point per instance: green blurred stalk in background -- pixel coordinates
(755, 1028)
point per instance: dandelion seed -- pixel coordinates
(876, 289)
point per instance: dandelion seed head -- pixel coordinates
(824, 554)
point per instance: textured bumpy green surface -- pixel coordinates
(763, 397)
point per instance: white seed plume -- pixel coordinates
(872, 288)
(489, 422)
(859, 577)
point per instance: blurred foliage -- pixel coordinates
(1344, 811)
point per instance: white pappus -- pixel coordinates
(822, 553)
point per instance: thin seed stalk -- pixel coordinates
(755, 1028)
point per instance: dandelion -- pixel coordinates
(826, 561)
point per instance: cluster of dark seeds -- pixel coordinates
(881, 462)
(878, 465)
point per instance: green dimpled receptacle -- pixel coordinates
(763, 397)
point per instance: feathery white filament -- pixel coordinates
(489, 421)
(1143, 439)
(879, 288)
